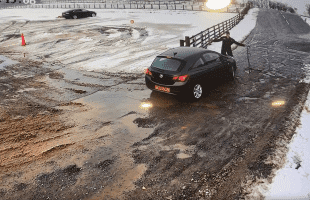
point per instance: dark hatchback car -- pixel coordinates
(188, 70)
(78, 13)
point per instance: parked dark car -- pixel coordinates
(78, 13)
(188, 71)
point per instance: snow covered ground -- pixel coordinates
(307, 19)
(109, 41)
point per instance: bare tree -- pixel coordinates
(308, 9)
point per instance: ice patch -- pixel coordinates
(167, 36)
(114, 33)
(6, 62)
(85, 39)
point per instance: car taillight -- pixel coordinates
(148, 72)
(181, 78)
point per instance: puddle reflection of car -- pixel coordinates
(78, 13)
(188, 71)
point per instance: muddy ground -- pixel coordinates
(70, 134)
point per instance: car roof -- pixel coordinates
(184, 53)
(73, 10)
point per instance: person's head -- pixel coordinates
(228, 34)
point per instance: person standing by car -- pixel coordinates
(227, 42)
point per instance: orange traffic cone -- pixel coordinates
(23, 40)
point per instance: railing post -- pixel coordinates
(214, 31)
(187, 42)
(192, 7)
(226, 26)
(181, 43)
(183, 7)
(151, 6)
(202, 41)
(159, 4)
(117, 6)
(130, 5)
(175, 7)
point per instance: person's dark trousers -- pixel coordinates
(228, 51)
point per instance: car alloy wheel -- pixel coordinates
(93, 15)
(197, 91)
(74, 17)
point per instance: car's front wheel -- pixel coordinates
(93, 15)
(197, 91)
(74, 17)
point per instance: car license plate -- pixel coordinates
(164, 89)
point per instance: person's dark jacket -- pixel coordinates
(226, 45)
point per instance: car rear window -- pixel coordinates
(166, 63)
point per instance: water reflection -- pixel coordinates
(278, 103)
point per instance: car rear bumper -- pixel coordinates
(175, 90)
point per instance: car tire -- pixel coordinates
(74, 17)
(93, 15)
(196, 92)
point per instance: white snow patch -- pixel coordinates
(167, 36)
(307, 70)
(306, 19)
(85, 39)
(113, 33)
(135, 34)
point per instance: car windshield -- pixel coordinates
(166, 63)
